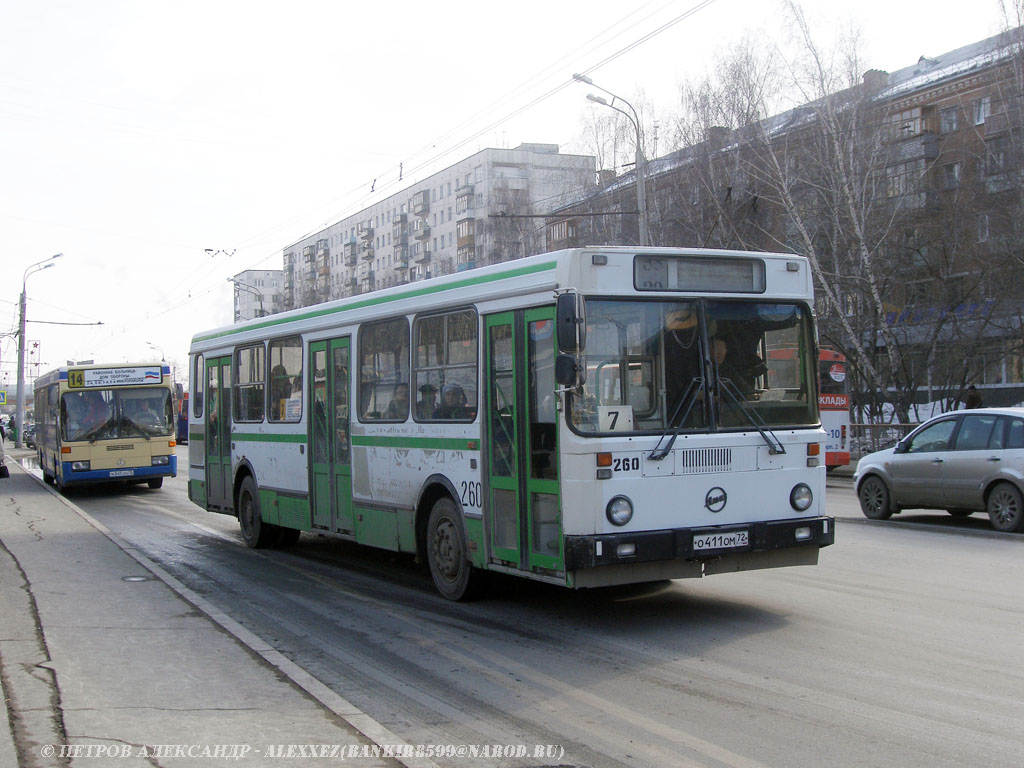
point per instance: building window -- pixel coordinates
(948, 119)
(902, 125)
(995, 155)
(951, 175)
(902, 179)
(982, 109)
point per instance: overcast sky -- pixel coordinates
(136, 135)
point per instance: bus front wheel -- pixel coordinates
(447, 553)
(256, 533)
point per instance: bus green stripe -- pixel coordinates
(424, 443)
(259, 437)
(426, 290)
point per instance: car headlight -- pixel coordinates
(161, 460)
(80, 466)
(619, 510)
(800, 498)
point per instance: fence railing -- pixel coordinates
(865, 438)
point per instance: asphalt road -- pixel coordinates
(901, 648)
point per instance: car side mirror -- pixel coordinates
(901, 446)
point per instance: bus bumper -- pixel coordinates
(70, 477)
(801, 536)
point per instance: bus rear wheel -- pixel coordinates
(256, 533)
(155, 482)
(447, 553)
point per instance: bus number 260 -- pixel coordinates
(472, 494)
(629, 463)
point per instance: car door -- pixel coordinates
(917, 470)
(976, 457)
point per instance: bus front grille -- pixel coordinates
(701, 460)
(120, 447)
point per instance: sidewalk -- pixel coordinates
(100, 650)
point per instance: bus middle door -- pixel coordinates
(330, 462)
(219, 488)
(524, 511)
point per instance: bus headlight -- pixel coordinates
(800, 498)
(619, 510)
(80, 466)
(159, 461)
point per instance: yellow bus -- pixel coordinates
(106, 423)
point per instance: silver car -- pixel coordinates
(963, 462)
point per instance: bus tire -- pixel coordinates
(447, 553)
(255, 533)
(155, 482)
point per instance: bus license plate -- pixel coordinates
(727, 540)
(122, 472)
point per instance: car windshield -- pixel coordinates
(696, 366)
(103, 414)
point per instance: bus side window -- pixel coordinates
(198, 380)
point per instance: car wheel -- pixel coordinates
(874, 498)
(1005, 508)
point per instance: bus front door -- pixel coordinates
(524, 514)
(330, 462)
(219, 491)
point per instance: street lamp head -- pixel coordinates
(597, 99)
(582, 78)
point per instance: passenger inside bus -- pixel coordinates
(453, 405)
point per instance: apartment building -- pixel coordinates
(481, 210)
(258, 292)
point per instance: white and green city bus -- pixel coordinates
(587, 417)
(106, 423)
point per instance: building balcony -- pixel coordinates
(421, 203)
(351, 259)
(421, 232)
(423, 257)
(364, 231)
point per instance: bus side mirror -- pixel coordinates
(570, 371)
(571, 322)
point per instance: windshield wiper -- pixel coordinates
(733, 393)
(688, 399)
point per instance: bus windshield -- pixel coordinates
(697, 365)
(104, 414)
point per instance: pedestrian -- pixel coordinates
(973, 399)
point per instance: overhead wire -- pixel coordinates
(594, 43)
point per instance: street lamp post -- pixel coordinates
(19, 413)
(250, 289)
(641, 165)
